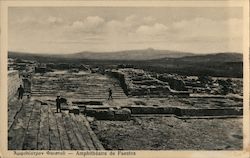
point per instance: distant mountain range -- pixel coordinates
(225, 64)
(145, 54)
(217, 57)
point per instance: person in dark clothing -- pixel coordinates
(20, 91)
(58, 104)
(110, 94)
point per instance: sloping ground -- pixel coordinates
(33, 126)
(75, 85)
(170, 133)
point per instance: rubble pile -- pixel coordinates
(203, 84)
(214, 85)
(175, 82)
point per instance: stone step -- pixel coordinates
(79, 92)
(77, 95)
(40, 127)
(75, 84)
(72, 81)
(75, 91)
(77, 88)
(14, 107)
(90, 86)
(83, 97)
(17, 132)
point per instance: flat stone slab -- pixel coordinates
(74, 109)
(39, 127)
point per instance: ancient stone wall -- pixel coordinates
(121, 78)
(174, 82)
(14, 81)
(136, 82)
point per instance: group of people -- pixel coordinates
(20, 91)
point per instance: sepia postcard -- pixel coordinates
(127, 79)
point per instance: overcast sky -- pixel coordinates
(76, 29)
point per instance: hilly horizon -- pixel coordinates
(142, 54)
(217, 57)
(218, 64)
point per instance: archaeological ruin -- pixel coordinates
(147, 111)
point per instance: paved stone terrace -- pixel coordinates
(33, 126)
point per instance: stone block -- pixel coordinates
(90, 119)
(104, 114)
(122, 114)
(63, 100)
(90, 112)
(88, 102)
(74, 109)
(143, 110)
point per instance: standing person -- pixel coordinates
(148, 93)
(58, 104)
(110, 94)
(20, 91)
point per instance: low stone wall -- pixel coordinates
(186, 112)
(153, 110)
(123, 114)
(212, 112)
(136, 82)
(14, 81)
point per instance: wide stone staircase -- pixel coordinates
(75, 85)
